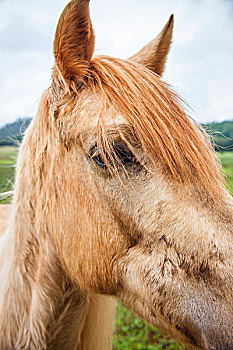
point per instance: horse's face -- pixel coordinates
(138, 235)
(121, 224)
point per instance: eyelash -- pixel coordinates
(119, 156)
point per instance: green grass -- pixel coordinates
(227, 163)
(131, 332)
(7, 169)
(8, 152)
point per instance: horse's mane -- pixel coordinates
(182, 148)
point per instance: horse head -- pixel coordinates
(129, 187)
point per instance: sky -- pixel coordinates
(199, 66)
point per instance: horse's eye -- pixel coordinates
(119, 156)
(99, 160)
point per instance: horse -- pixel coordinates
(117, 195)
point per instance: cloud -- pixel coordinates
(19, 36)
(205, 61)
(199, 65)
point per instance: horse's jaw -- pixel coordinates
(169, 297)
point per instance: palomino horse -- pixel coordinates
(117, 195)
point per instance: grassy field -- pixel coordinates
(7, 169)
(227, 163)
(131, 332)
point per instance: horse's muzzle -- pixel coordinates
(214, 333)
(207, 320)
(219, 342)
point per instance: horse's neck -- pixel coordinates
(40, 307)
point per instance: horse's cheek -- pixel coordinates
(88, 247)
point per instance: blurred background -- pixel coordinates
(199, 68)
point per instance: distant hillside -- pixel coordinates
(221, 133)
(11, 133)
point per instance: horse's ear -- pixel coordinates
(153, 55)
(74, 42)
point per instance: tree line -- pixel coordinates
(221, 133)
(11, 134)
